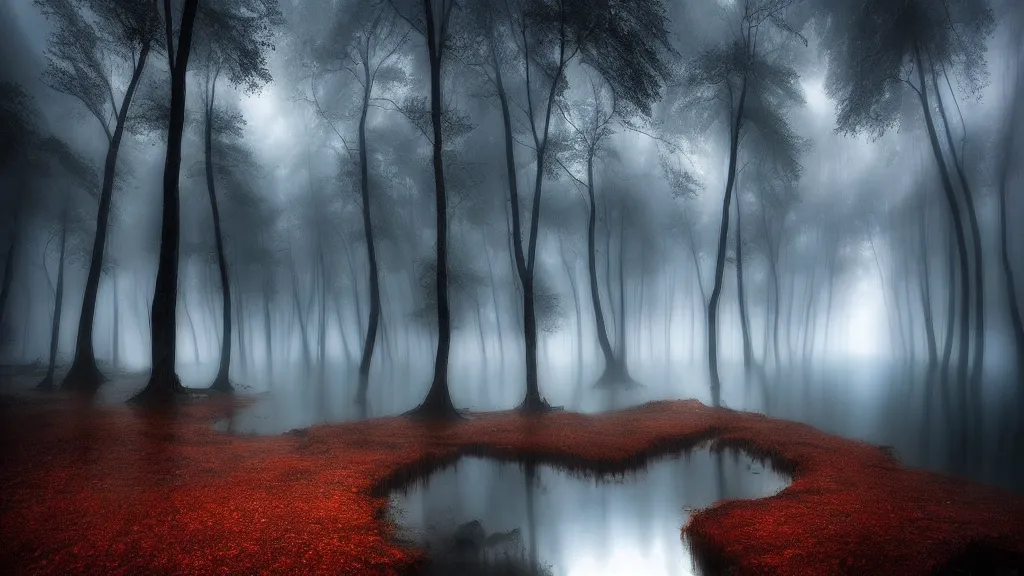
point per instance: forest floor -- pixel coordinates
(118, 490)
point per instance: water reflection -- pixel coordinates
(571, 525)
(878, 402)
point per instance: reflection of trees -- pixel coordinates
(469, 550)
(530, 472)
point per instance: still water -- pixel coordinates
(570, 524)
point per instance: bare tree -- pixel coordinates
(69, 219)
(20, 138)
(233, 39)
(366, 45)
(755, 93)
(94, 42)
(624, 44)
(432, 18)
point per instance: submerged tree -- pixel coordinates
(163, 382)
(233, 39)
(90, 38)
(755, 93)
(624, 42)
(368, 52)
(883, 52)
(1011, 143)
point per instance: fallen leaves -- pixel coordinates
(119, 491)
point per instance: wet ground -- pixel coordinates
(118, 490)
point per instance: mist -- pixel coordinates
(346, 210)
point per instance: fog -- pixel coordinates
(742, 202)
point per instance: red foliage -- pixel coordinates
(118, 491)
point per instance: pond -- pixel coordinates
(484, 516)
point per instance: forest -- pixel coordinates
(349, 211)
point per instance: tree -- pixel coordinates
(755, 94)
(623, 41)
(591, 121)
(1010, 143)
(433, 23)
(232, 42)
(879, 53)
(367, 51)
(90, 37)
(70, 220)
(163, 382)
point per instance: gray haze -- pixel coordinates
(846, 236)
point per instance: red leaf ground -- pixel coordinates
(117, 491)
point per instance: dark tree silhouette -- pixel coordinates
(370, 40)
(432, 18)
(68, 221)
(163, 382)
(624, 42)
(755, 93)
(89, 36)
(232, 41)
(1010, 143)
(879, 54)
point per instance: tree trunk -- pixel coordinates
(926, 296)
(950, 326)
(963, 358)
(300, 315)
(5, 288)
(595, 297)
(670, 304)
(244, 339)
(607, 277)
(978, 361)
(482, 342)
(267, 335)
(578, 344)
(163, 382)
(371, 253)
(1013, 305)
(355, 291)
(438, 402)
(716, 293)
(115, 344)
(322, 337)
(497, 308)
(620, 339)
(192, 328)
(222, 382)
(808, 339)
(523, 262)
(829, 292)
(1009, 278)
(911, 324)
(58, 301)
(84, 376)
(533, 402)
(741, 296)
(774, 271)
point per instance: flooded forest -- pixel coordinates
(462, 259)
